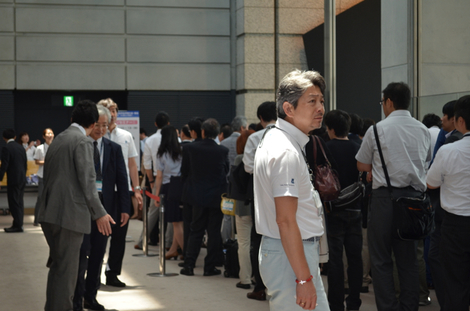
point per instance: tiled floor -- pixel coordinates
(23, 278)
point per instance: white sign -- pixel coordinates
(130, 121)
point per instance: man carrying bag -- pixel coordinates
(406, 146)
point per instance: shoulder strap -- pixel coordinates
(314, 150)
(315, 141)
(382, 159)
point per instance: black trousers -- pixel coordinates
(117, 246)
(254, 251)
(455, 260)
(210, 219)
(382, 243)
(15, 195)
(187, 219)
(91, 261)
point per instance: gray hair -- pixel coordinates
(238, 122)
(294, 85)
(103, 111)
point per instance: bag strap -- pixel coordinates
(315, 141)
(314, 151)
(382, 159)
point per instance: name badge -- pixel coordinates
(99, 185)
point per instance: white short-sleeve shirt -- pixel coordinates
(150, 151)
(280, 170)
(40, 155)
(406, 146)
(168, 166)
(126, 141)
(451, 171)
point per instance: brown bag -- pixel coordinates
(326, 180)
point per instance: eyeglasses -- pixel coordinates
(382, 102)
(101, 125)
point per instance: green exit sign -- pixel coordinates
(68, 101)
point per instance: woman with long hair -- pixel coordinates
(168, 165)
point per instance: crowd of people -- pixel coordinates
(287, 232)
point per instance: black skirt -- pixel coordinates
(173, 212)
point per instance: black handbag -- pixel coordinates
(348, 197)
(413, 216)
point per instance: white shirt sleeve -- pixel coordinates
(249, 155)
(147, 155)
(435, 176)
(39, 154)
(285, 170)
(132, 150)
(366, 152)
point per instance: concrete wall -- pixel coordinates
(270, 30)
(115, 45)
(426, 44)
(445, 47)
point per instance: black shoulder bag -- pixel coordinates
(348, 197)
(413, 217)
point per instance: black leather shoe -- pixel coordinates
(212, 272)
(112, 280)
(244, 286)
(13, 229)
(181, 264)
(187, 271)
(93, 305)
(259, 295)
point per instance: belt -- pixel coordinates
(312, 239)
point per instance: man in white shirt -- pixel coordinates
(451, 172)
(406, 146)
(267, 115)
(150, 164)
(287, 207)
(118, 237)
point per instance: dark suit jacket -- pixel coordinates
(14, 163)
(204, 170)
(114, 179)
(69, 197)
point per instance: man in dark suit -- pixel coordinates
(69, 199)
(205, 169)
(111, 171)
(194, 126)
(14, 164)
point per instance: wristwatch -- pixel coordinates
(137, 188)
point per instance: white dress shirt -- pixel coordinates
(150, 151)
(451, 171)
(406, 146)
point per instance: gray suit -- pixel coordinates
(69, 199)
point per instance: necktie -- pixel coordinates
(96, 156)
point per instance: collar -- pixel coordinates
(294, 132)
(399, 113)
(234, 134)
(99, 140)
(114, 130)
(10, 140)
(81, 128)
